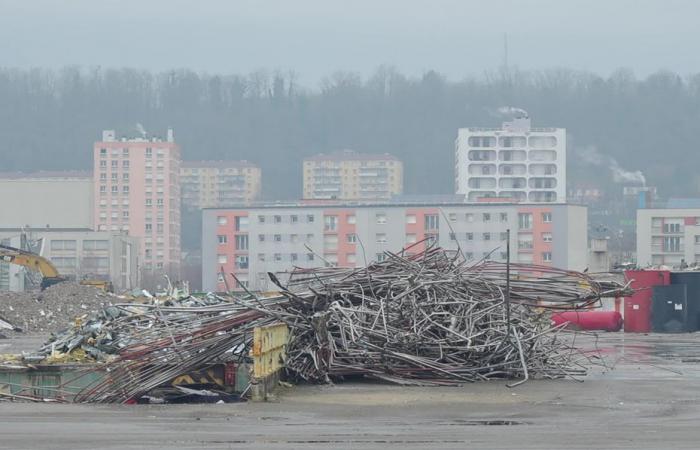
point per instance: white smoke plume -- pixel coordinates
(141, 130)
(591, 155)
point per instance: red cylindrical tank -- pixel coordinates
(638, 306)
(589, 320)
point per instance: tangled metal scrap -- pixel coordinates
(430, 318)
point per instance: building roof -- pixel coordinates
(351, 155)
(217, 164)
(380, 204)
(683, 203)
(46, 174)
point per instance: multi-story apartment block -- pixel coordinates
(137, 190)
(669, 236)
(219, 184)
(76, 253)
(516, 162)
(347, 175)
(249, 242)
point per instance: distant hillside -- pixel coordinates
(49, 119)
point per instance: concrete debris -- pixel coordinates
(52, 309)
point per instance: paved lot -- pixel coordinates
(650, 399)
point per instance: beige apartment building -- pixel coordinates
(219, 184)
(347, 175)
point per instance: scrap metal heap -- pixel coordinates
(433, 318)
(429, 318)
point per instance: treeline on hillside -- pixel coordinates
(49, 119)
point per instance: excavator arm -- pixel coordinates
(33, 262)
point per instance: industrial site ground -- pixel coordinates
(648, 399)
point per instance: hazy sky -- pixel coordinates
(317, 37)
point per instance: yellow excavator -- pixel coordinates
(48, 271)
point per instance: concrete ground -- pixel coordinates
(650, 399)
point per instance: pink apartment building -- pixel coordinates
(249, 242)
(137, 189)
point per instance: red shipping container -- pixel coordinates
(638, 306)
(589, 320)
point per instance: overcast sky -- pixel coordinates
(317, 37)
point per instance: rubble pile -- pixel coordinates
(53, 309)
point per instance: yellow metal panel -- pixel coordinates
(268, 352)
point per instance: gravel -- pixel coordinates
(53, 309)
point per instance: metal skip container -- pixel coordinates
(638, 306)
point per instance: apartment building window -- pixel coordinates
(278, 219)
(241, 262)
(221, 220)
(546, 237)
(411, 218)
(504, 256)
(90, 244)
(547, 217)
(125, 214)
(63, 245)
(103, 177)
(221, 259)
(309, 237)
(125, 189)
(242, 242)
(294, 218)
(125, 164)
(469, 255)
(697, 239)
(310, 218)
(486, 217)
(115, 189)
(261, 238)
(241, 223)
(149, 228)
(381, 218)
(103, 189)
(381, 238)
(330, 223)
(103, 164)
(114, 177)
(469, 217)
(351, 258)
(159, 228)
(453, 217)
(672, 244)
(672, 227)
(149, 202)
(294, 238)
(125, 177)
(261, 219)
(504, 217)
(222, 238)
(115, 164)
(381, 257)
(487, 236)
(524, 221)
(547, 256)
(351, 220)
(453, 237)
(470, 236)
(278, 238)
(410, 238)
(351, 238)
(103, 153)
(432, 221)
(115, 215)
(125, 152)
(504, 236)
(293, 256)
(309, 256)
(525, 242)
(261, 257)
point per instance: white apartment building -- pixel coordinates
(669, 236)
(516, 162)
(250, 242)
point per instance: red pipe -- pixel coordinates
(589, 320)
